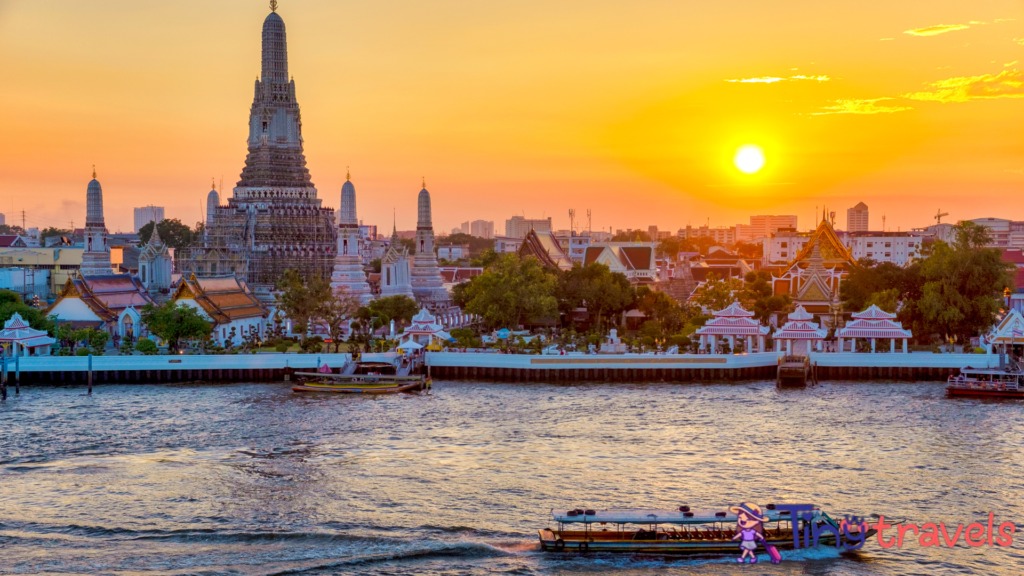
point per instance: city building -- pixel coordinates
(25, 282)
(506, 245)
(3, 219)
(575, 245)
(348, 276)
(482, 229)
(46, 269)
(720, 235)
(273, 220)
(518, 226)
(227, 303)
(427, 284)
(452, 252)
(147, 214)
(1004, 233)
(896, 247)
(857, 218)
(763, 226)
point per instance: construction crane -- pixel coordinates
(939, 215)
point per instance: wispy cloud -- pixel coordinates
(1008, 64)
(936, 29)
(773, 79)
(1004, 19)
(1016, 170)
(885, 39)
(1019, 41)
(854, 106)
(1006, 84)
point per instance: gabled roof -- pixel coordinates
(545, 247)
(800, 327)
(832, 249)
(873, 312)
(11, 240)
(224, 298)
(107, 295)
(630, 257)
(1004, 332)
(17, 330)
(455, 274)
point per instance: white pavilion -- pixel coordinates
(873, 324)
(732, 323)
(23, 339)
(801, 330)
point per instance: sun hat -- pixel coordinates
(752, 510)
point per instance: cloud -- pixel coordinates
(1019, 41)
(1006, 84)
(1004, 19)
(1016, 170)
(773, 79)
(885, 39)
(936, 29)
(1008, 64)
(854, 106)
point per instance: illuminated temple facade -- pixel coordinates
(273, 220)
(812, 278)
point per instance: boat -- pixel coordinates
(987, 382)
(364, 378)
(679, 532)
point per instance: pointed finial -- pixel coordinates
(213, 183)
(93, 171)
(424, 182)
(273, 5)
(348, 174)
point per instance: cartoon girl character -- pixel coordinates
(750, 529)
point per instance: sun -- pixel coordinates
(749, 158)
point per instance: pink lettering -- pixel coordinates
(978, 529)
(956, 535)
(929, 535)
(881, 527)
(903, 530)
(1005, 531)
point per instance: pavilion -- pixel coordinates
(1008, 333)
(424, 329)
(873, 324)
(730, 323)
(23, 339)
(801, 329)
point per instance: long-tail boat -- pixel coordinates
(683, 531)
(365, 378)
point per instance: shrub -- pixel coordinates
(146, 346)
(282, 347)
(82, 352)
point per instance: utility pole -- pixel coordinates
(23, 220)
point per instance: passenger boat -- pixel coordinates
(366, 378)
(987, 382)
(674, 532)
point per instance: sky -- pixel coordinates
(633, 110)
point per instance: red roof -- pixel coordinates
(8, 240)
(454, 274)
(1015, 256)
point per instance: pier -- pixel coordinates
(694, 368)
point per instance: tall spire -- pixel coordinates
(348, 173)
(273, 5)
(93, 171)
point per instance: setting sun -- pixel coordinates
(749, 158)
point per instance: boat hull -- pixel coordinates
(983, 393)
(550, 542)
(362, 388)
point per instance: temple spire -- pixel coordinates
(93, 171)
(273, 5)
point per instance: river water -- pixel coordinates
(254, 479)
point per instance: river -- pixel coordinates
(252, 479)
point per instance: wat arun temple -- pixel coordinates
(274, 221)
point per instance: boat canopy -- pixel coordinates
(659, 516)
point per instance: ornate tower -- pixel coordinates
(348, 265)
(96, 257)
(427, 284)
(395, 275)
(273, 220)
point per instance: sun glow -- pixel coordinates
(749, 158)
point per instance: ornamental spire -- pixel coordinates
(273, 5)
(348, 174)
(93, 171)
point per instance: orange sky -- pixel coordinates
(625, 108)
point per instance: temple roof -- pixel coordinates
(107, 295)
(733, 320)
(545, 247)
(833, 251)
(224, 299)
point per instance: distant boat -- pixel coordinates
(672, 532)
(365, 378)
(988, 383)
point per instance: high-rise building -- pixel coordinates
(3, 219)
(273, 220)
(464, 229)
(857, 218)
(764, 226)
(518, 226)
(147, 214)
(481, 229)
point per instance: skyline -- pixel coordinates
(504, 110)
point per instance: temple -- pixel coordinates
(427, 284)
(274, 220)
(395, 269)
(348, 276)
(96, 256)
(812, 278)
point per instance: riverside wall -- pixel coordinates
(694, 368)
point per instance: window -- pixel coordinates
(888, 254)
(870, 244)
(784, 254)
(69, 266)
(870, 254)
(888, 244)
(785, 244)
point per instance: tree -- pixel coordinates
(51, 231)
(298, 299)
(749, 249)
(862, 282)
(486, 259)
(175, 322)
(758, 296)
(375, 264)
(11, 229)
(511, 290)
(398, 308)
(146, 346)
(596, 287)
(963, 285)
(717, 294)
(659, 307)
(632, 236)
(669, 247)
(173, 233)
(11, 302)
(477, 246)
(335, 313)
